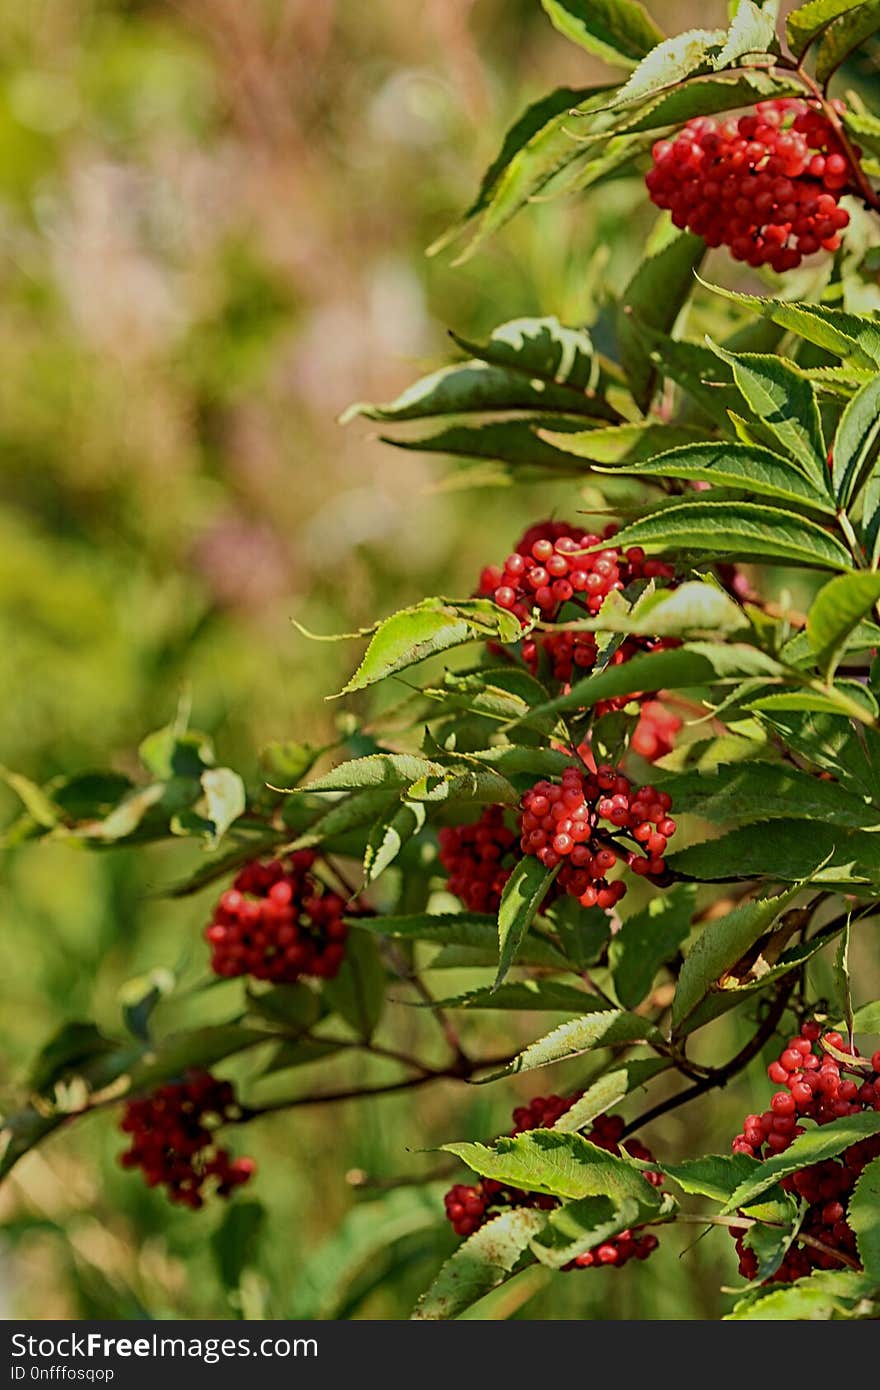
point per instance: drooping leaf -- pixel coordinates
(225, 800)
(388, 837)
(837, 609)
(608, 1028)
(357, 992)
(648, 940)
(481, 1263)
(655, 296)
(542, 350)
(295, 1007)
(863, 1216)
(814, 1146)
(428, 628)
(730, 465)
(720, 945)
(856, 440)
(36, 802)
(235, 1243)
(845, 34)
(67, 1051)
(704, 96)
(804, 25)
(607, 1091)
(523, 894)
(618, 31)
(744, 530)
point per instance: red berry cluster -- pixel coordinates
(173, 1132)
(278, 923)
(560, 825)
(555, 563)
(654, 735)
(818, 1087)
(469, 1207)
(472, 857)
(767, 185)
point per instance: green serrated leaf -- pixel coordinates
(714, 1175)
(648, 940)
(838, 608)
(744, 530)
(521, 900)
(559, 1165)
(428, 628)
(719, 946)
(481, 1263)
(856, 441)
(785, 402)
(357, 993)
(843, 35)
(804, 25)
(730, 465)
(655, 296)
(618, 31)
(787, 850)
(815, 1146)
(608, 1028)
(863, 1216)
(753, 31)
(388, 837)
(671, 62)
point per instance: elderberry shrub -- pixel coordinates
(767, 186)
(821, 1088)
(278, 922)
(173, 1139)
(470, 1207)
(560, 825)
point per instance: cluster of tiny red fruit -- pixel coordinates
(556, 562)
(173, 1139)
(473, 856)
(278, 922)
(559, 824)
(470, 1207)
(822, 1088)
(767, 185)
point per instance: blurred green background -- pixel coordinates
(213, 217)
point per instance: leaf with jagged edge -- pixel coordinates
(843, 35)
(821, 1296)
(480, 1264)
(806, 23)
(863, 1216)
(855, 443)
(523, 894)
(671, 62)
(719, 946)
(846, 335)
(655, 296)
(814, 1146)
(620, 32)
(388, 837)
(428, 628)
(838, 608)
(607, 1028)
(752, 31)
(648, 939)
